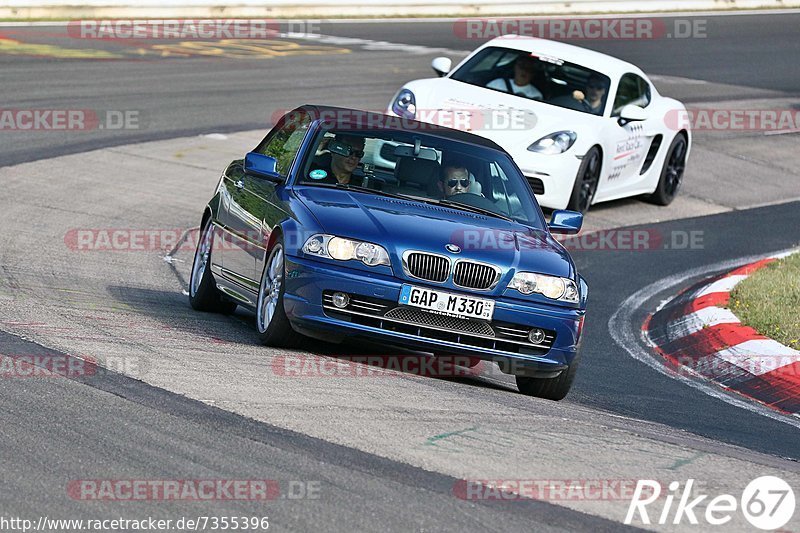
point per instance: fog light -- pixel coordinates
(341, 299)
(536, 336)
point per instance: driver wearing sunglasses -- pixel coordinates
(455, 180)
(593, 98)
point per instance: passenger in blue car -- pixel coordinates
(345, 152)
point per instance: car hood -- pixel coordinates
(487, 113)
(400, 225)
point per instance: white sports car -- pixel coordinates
(583, 127)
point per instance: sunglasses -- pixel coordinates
(356, 153)
(464, 183)
(596, 87)
(344, 149)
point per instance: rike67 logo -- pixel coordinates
(767, 503)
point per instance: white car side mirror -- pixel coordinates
(632, 113)
(441, 65)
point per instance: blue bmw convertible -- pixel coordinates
(344, 223)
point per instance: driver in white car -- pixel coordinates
(522, 82)
(593, 99)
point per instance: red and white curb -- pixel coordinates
(698, 337)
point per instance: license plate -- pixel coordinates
(445, 303)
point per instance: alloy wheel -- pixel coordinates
(270, 290)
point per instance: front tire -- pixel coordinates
(203, 292)
(271, 321)
(672, 174)
(586, 181)
(549, 388)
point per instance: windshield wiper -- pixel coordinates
(360, 188)
(367, 189)
(466, 207)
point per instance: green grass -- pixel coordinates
(769, 301)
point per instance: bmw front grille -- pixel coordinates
(438, 268)
(430, 267)
(472, 275)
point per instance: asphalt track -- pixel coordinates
(112, 426)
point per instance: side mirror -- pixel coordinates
(262, 166)
(633, 113)
(441, 65)
(567, 222)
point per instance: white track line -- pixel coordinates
(694, 322)
(725, 284)
(759, 356)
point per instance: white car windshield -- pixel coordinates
(423, 167)
(537, 77)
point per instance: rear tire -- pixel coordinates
(271, 321)
(672, 174)
(203, 292)
(585, 188)
(549, 388)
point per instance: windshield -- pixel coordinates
(425, 168)
(537, 77)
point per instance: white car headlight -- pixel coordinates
(552, 287)
(555, 143)
(405, 104)
(343, 249)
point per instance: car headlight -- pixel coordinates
(555, 143)
(405, 104)
(343, 249)
(552, 287)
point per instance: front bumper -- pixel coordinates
(557, 174)
(309, 284)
